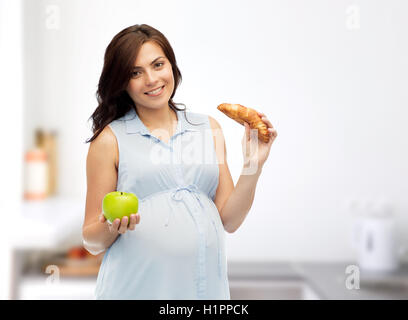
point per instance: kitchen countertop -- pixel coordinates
(328, 280)
(48, 224)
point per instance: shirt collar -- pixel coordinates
(135, 125)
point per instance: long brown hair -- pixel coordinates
(113, 100)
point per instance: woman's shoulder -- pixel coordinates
(198, 116)
(118, 125)
(203, 119)
(104, 146)
(106, 139)
(128, 115)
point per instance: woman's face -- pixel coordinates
(152, 70)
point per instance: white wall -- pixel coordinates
(11, 131)
(331, 76)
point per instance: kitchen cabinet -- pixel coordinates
(50, 226)
(313, 280)
(271, 290)
(38, 288)
(268, 281)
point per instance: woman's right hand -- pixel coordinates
(121, 226)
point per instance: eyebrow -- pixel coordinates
(137, 67)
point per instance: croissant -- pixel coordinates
(243, 114)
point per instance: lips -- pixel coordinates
(155, 91)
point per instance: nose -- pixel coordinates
(150, 79)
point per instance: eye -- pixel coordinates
(158, 65)
(135, 73)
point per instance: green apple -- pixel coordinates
(118, 204)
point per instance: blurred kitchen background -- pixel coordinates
(330, 214)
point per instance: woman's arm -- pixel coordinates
(225, 182)
(234, 203)
(102, 176)
(240, 201)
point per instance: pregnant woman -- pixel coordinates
(175, 162)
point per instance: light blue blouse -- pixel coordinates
(177, 251)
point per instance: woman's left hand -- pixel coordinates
(254, 150)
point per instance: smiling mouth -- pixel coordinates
(155, 92)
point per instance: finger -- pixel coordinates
(123, 225)
(114, 226)
(138, 218)
(132, 223)
(267, 122)
(273, 132)
(102, 218)
(247, 131)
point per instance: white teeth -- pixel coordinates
(155, 91)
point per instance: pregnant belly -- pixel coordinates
(165, 230)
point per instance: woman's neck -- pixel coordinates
(163, 118)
